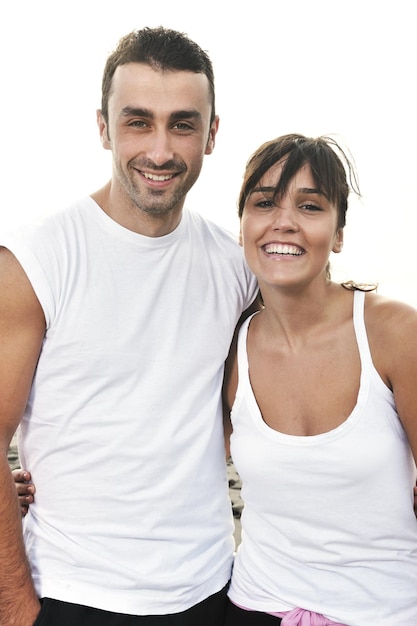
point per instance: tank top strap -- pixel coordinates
(242, 355)
(360, 328)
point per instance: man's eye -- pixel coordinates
(182, 126)
(137, 123)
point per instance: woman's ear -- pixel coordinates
(338, 244)
(240, 238)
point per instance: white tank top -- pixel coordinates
(328, 523)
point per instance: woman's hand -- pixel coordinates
(26, 489)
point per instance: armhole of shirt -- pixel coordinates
(242, 361)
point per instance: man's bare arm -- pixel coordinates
(22, 328)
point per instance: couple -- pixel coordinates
(108, 345)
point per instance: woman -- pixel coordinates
(323, 397)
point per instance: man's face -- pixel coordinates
(158, 131)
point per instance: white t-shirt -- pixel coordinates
(123, 428)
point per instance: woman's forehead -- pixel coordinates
(273, 175)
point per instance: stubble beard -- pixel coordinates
(156, 203)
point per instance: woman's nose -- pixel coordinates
(285, 219)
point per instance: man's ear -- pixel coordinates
(240, 238)
(212, 135)
(338, 244)
(103, 130)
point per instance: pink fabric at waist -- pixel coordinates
(300, 617)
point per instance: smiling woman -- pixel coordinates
(288, 234)
(293, 197)
(321, 389)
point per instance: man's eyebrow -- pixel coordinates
(136, 112)
(185, 114)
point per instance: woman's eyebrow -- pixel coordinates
(263, 189)
(303, 190)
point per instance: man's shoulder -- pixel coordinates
(47, 234)
(57, 219)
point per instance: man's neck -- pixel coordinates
(134, 219)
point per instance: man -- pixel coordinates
(116, 317)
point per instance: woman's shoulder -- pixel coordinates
(391, 325)
(383, 310)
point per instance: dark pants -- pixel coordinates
(239, 617)
(209, 612)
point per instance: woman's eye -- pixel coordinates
(264, 204)
(310, 207)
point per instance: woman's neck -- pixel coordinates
(299, 315)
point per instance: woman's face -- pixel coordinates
(288, 240)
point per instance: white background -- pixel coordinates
(341, 67)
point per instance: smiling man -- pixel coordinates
(158, 127)
(116, 318)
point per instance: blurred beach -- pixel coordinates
(236, 500)
(12, 456)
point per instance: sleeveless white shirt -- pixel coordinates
(328, 523)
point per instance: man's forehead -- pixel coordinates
(143, 80)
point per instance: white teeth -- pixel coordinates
(157, 178)
(276, 248)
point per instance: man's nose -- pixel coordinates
(159, 149)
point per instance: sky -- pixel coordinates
(329, 67)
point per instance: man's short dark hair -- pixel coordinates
(161, 49)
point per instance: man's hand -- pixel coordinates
(26, 489)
